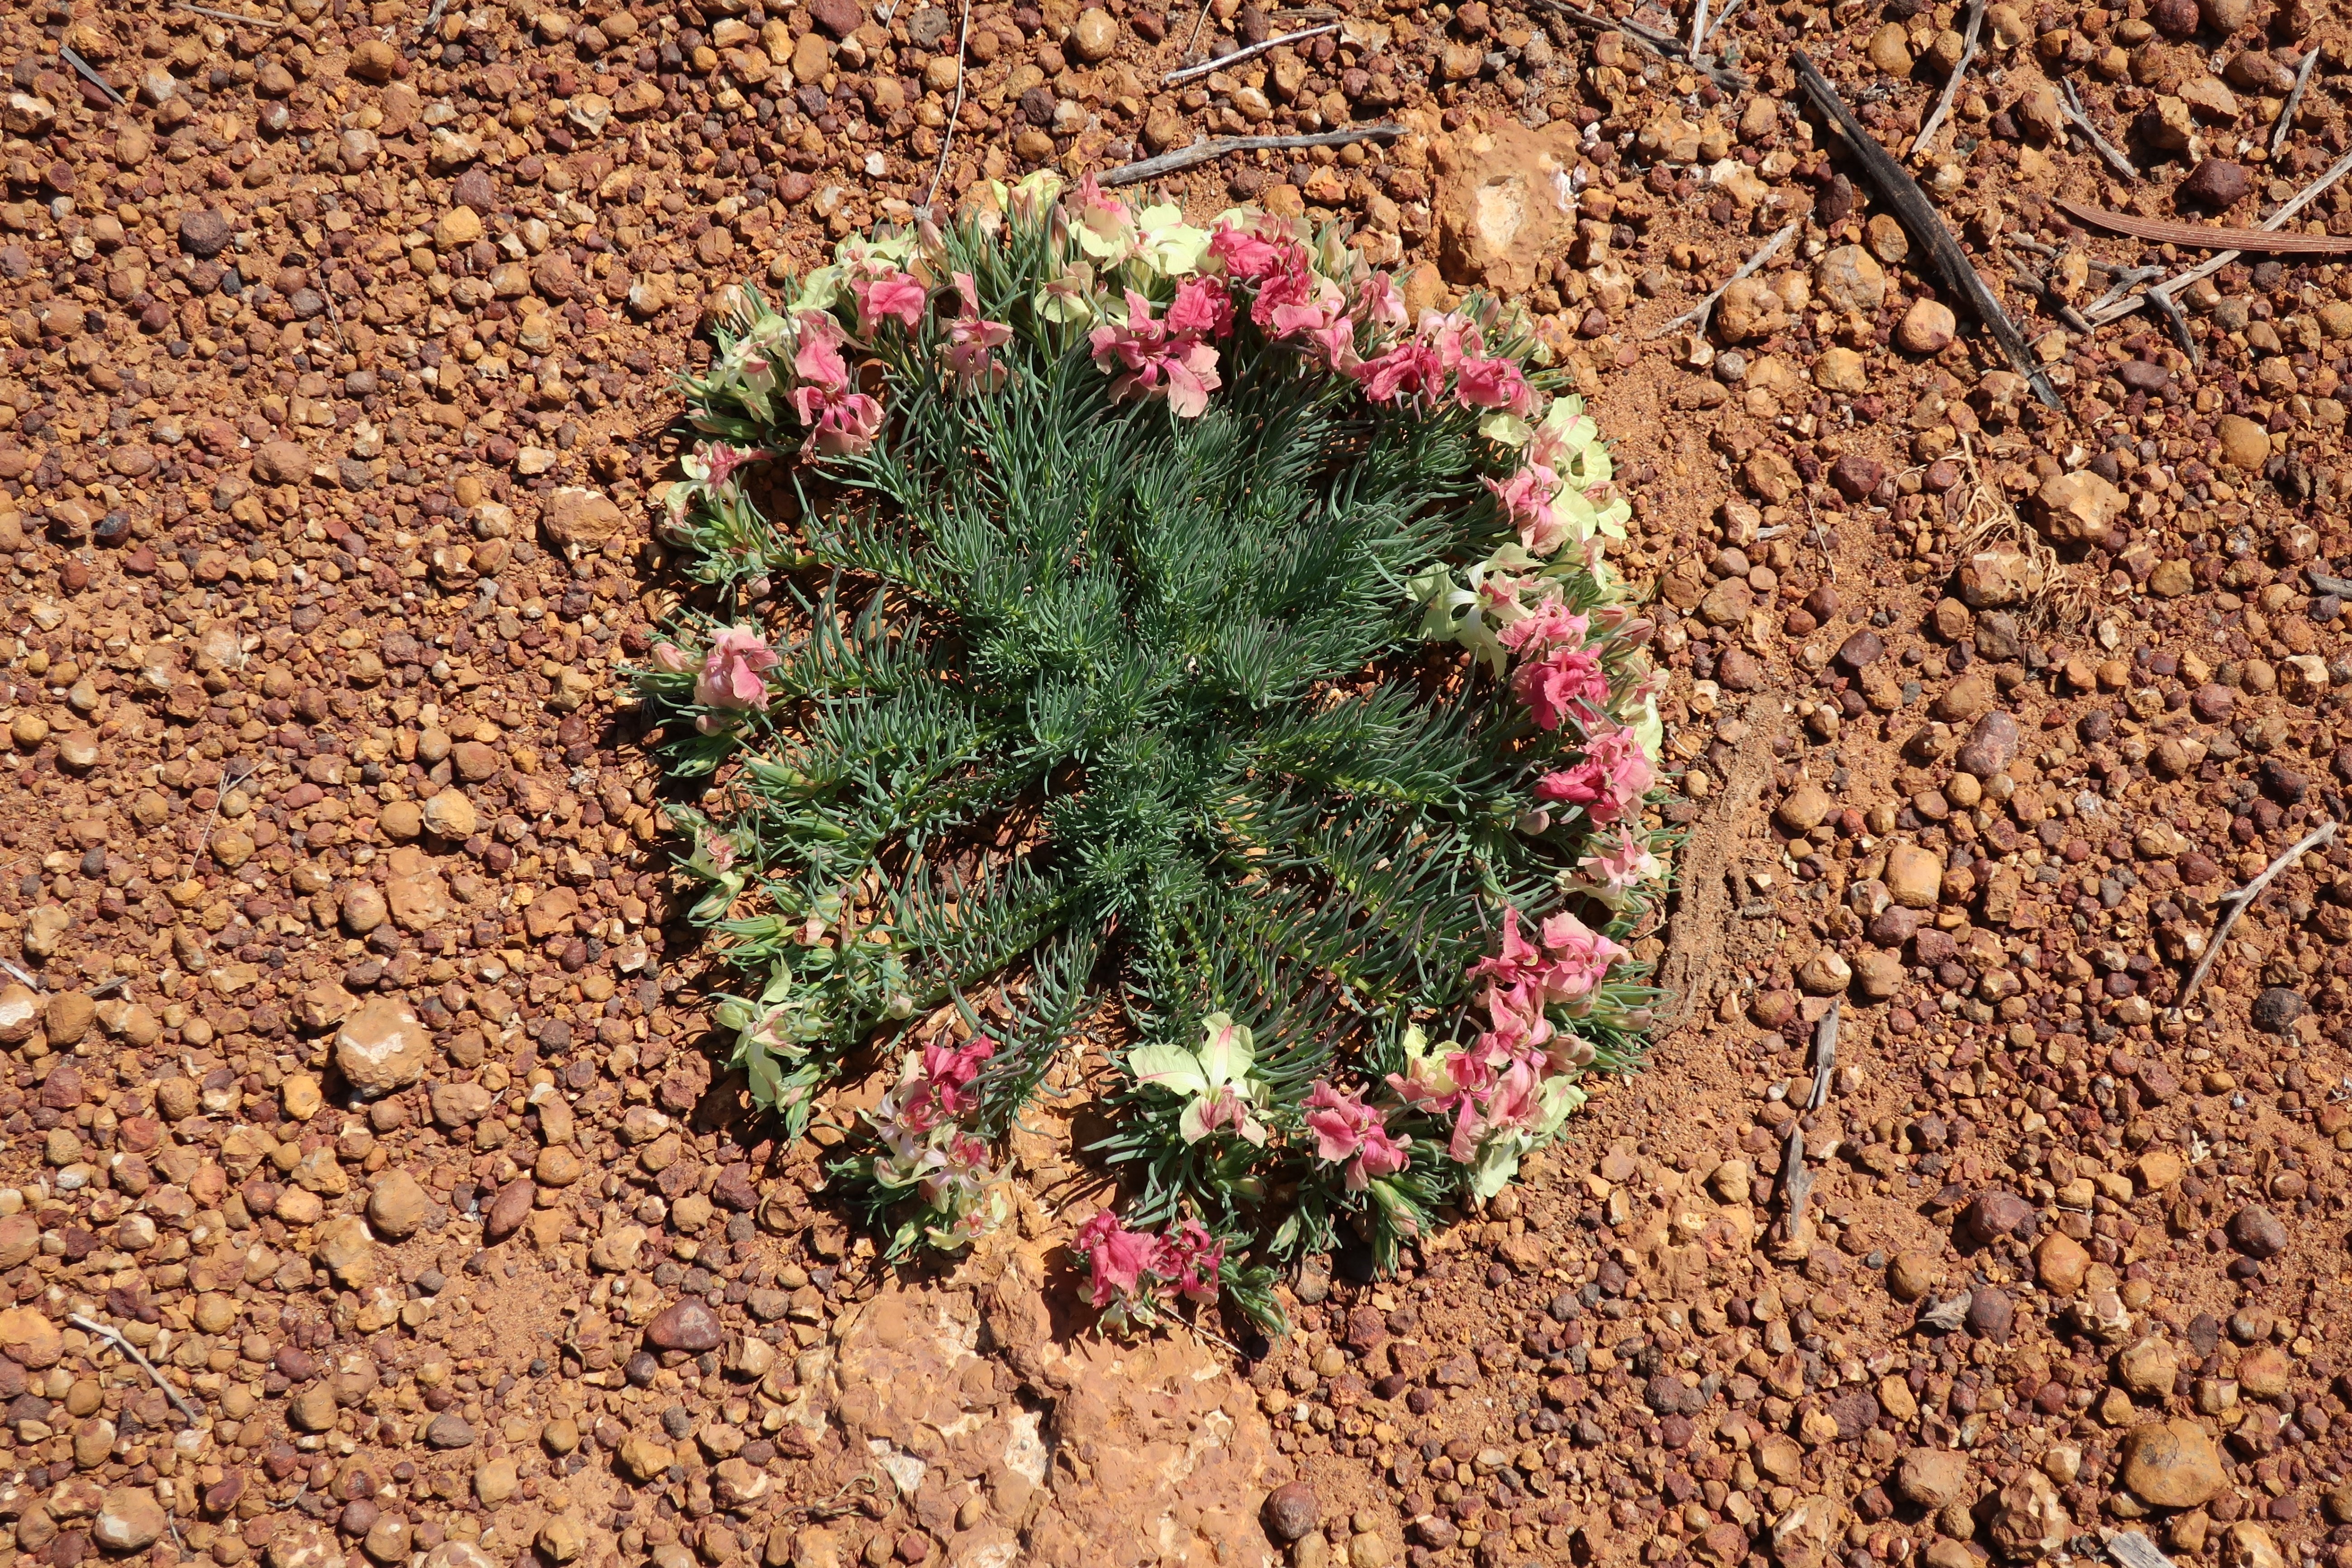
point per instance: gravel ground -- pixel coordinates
(354, 1074)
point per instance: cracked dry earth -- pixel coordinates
(355, 1068)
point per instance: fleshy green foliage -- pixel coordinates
(1127, 720)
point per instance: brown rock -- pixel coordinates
(1932, 1478)
(506, 1211)
(68, 1018)
(397, 1206)
(1914, 877)
(130, 1518)
(1926, 328)
(2079, 507)
(580, 518)
(686, 1325)
(1910, 1276)
(450, 814)
(2217, 182)
(20, 1014)
(2061, 1264)
(381, 1048)
(1805, 807)
(2172, 1464)
(2029, 1521)
(2257, 1233)
(1291, 1512)
(281, 463)
(1992, 1216)
(2244, 443)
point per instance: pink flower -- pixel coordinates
(1549, 625)
(1378, 303)
(889, 296)
(1173, 363)
(1116, 1256)
(1526, 498)
(1202, 309)
(1580, 958)
(1293, 303)
(1568, 683)
(1609, 784)
(1246, 255)
(1191, 1260)
(1349, 1132)
(1493, 384)
(816, 359)
(730, 670)
(1106, 229)
(973, 341)
(841, 425)
(1620, 864)
(669, 658)
(944, 1091)
(717, 461)
(1570, 962)
(1410, 369)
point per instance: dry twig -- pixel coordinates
(2242, 900)
(2169, 291)
(2130, 1549)
(2073, 107)
(2164, 231)
(947, 137)
(1720, 18)
(1796, 1187)
(1250, 51)
(230, 16)
(1952, 84)
(1214, 147)
(31, 983)
(1825, 1037)
(114, 1337)
(1664, 45)
(1918, 215)
(89, 73)
(2066, 313)
(1698, 312)
(2293, 99)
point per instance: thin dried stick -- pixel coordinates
(2293, 99)
(229, 16)
(1796, 1185)
(1825, 1037)
(114, 1336)
(1698, 312)
(2242, 900)
(2130, 1549)
(2073, 107)
(2048, 295)
(1699, 28)
(1250, 51)
(20, 975)
(1935, 119)
(1199, 21)
(1664, 45)
(89, 73)
(1214, 147)
(2169, 309)
(2170, 288)
(947, 139)
(1918, 215)
(1716, 26)
(2124, 278)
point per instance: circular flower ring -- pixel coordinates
(1173, 646)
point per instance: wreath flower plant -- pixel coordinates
(1171, 645)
